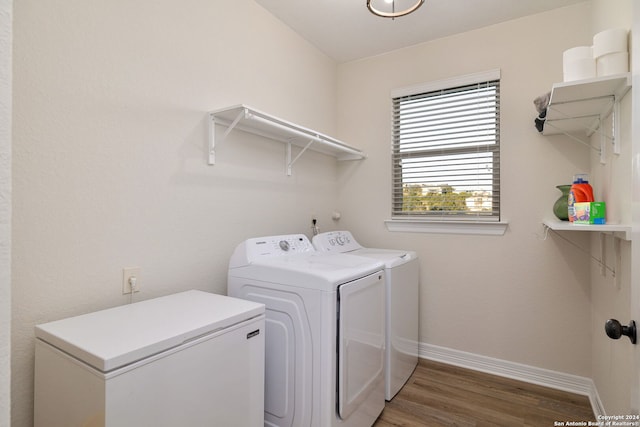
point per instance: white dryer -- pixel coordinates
(324, 338)
(402, 305)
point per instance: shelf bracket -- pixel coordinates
(212, 134)
(603, 148)
(291, 162)
(604, 138)
(575, 138)
(617, 257)
(618, 261)
(615, 131)
(603, 255)
(612, 108)
(614, 139)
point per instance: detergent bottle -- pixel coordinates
(581, 191)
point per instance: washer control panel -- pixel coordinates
(335, 241)
(278, 245)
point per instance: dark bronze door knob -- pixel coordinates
(615, 330)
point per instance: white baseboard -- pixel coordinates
(517, 371)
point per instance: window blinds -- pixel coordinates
(446, 153)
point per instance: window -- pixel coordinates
(446, 150)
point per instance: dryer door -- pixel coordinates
(361, 346)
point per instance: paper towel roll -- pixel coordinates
(613, 63)
(579, 69)
(578, 63)
(610, 41)
(579, 52)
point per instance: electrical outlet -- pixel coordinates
(130, 280)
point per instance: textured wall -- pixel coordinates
(611, 292)
(516, 297)
(5, 209)
(110, 167)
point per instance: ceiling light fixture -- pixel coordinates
(373, 7)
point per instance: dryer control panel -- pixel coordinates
(270, 246)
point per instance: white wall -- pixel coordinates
(5, 210)
(635, 203)
(109, 166)
(516, 297)
(611, 293)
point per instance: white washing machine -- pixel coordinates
(402, 303)
(188, 359)
(324, 356)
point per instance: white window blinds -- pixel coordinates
(446, 152)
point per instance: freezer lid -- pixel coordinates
(116, 337)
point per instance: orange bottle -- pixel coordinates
(581, 191)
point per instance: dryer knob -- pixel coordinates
(284, 245)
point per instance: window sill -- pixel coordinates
(447, 227)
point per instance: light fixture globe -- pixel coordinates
(390, 11)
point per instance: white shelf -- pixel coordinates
(620, 231)
(579, 105)
(250, 120)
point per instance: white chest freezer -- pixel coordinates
(188, 359)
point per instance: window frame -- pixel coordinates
(458, 224)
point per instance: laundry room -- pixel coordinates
(121, 165)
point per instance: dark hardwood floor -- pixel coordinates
(443, 395)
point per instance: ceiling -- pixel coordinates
(345, 30)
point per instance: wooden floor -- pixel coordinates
(443, 395)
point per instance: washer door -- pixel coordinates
(361, 312)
